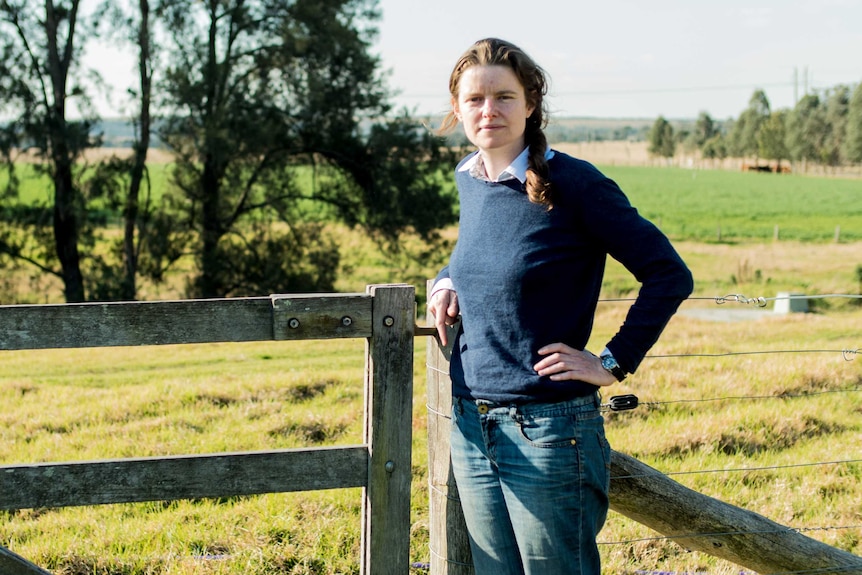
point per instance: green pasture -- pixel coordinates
(721, 205)
(688, 204)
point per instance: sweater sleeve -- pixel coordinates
(645, 252)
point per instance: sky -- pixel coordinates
(617, 58)
(633, 59)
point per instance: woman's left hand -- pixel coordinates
(562, 362)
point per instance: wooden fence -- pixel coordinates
(384, 315)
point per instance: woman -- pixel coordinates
(529, 453)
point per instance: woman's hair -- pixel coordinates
(496, 52)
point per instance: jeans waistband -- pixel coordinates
(483, 406)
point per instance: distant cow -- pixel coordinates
(778, 169)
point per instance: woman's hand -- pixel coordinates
(443, 305)
(562, 362)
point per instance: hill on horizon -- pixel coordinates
(119, 133)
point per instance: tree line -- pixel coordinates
(277, 114)
(823, 128)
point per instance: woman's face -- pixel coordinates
(492, 105)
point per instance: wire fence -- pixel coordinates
(848, 353)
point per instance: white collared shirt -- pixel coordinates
(517, 170)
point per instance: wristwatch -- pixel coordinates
(610, 364)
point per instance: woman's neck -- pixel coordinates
(495, 161)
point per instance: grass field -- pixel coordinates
(736, 410)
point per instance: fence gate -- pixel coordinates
(384, 316)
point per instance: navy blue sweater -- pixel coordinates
(527, 277)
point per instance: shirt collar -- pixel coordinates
(517, 170)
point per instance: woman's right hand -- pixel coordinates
(443, 305)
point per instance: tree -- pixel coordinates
(39, 52)
(772, 136)
(836, 102)
(743, 136)
(122, 180)
(715, 148)
(852, 146)
(132, 208)
(259, 94)
(705, 129)
(806, 129)
(661, 139)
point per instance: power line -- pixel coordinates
(674, 90)
(847, 353)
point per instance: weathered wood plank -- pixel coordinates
(697, 521)
(12, 564)
(315, 316)
(324, 316)
(134, 323)
(181, 477)
(388, 432)
(450, 547)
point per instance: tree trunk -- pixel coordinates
(132, 208)
(66, 230)
(66, 223)
(208, 283)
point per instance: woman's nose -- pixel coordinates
(490, 108)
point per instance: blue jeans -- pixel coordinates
(533, 482)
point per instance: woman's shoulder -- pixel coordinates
(573, 175)
(564, 164)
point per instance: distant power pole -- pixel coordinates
(795, 85)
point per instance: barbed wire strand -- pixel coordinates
(845, 353)
(728, 533)
(737, 469)
(749, 397)
(759, 301)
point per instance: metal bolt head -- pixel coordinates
(389, 466)
(388, 321)
(346, 321)
(293, 323)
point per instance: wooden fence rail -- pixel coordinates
(385, 316)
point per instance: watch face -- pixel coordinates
(610, 364)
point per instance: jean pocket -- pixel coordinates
(557, 431)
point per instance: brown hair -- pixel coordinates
(496, 52)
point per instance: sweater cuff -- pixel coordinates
(441, 284)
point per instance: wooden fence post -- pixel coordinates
(449, 545)
(12, 564)
(388, 422)
(699, 522)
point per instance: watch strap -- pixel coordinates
(609, 362)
